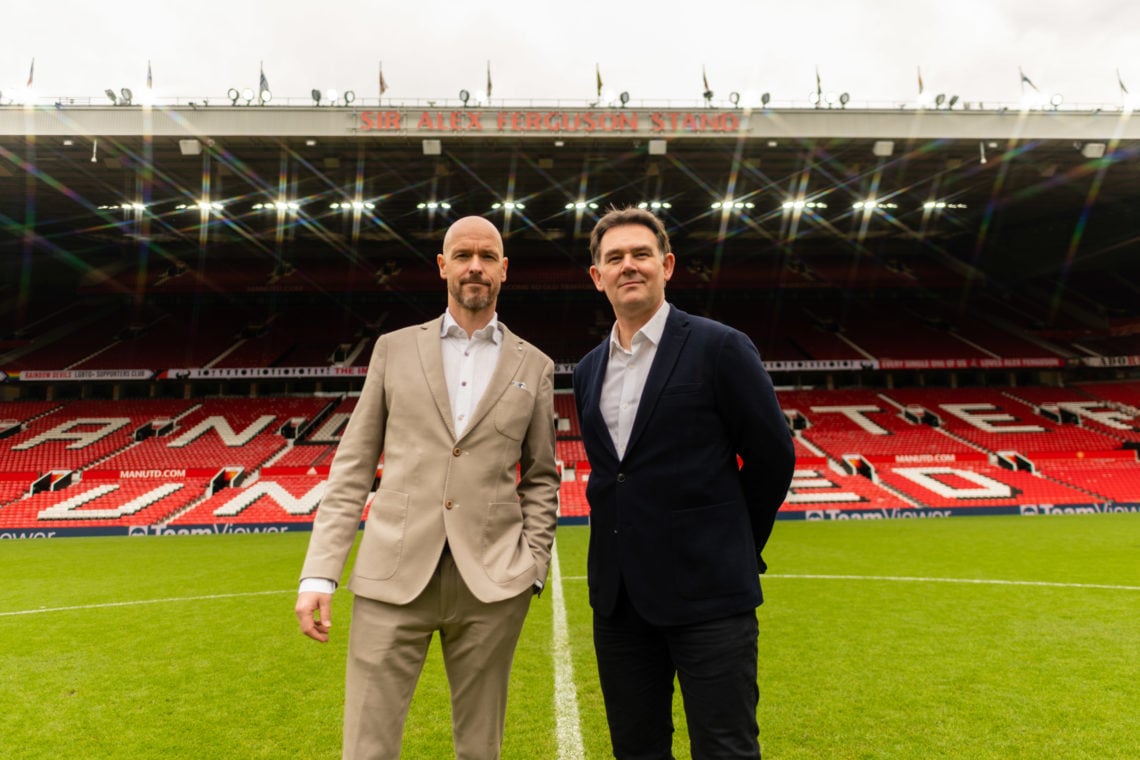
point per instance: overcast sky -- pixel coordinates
(541, 49)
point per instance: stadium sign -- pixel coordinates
(69, 375)
(561, 122)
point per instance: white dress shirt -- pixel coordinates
(468, 363)
(626, 373)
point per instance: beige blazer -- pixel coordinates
(492, 494)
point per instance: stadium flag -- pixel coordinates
(1027, 80)
(32, 72)
(1120, 81)
(920, 87)
(598, 75)
(705, 80)
(818, 85)
(488, 80)
(383, 82)
(149, 79)
(263, 83)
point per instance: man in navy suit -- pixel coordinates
(667, 404)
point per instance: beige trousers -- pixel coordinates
(387, 645)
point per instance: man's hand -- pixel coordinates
(315, 626)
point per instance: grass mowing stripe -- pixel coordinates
(914, 579)
(981, 581)
(568, 727)
(137, 602)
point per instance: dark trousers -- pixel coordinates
(714, 662)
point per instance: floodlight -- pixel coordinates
(247, 95)
(734, 98)
(939, 99)
(349, 96)
(316, 94)
(624, 97)
(844, 99)
(111, 96)
(233, 95)
(1093, 150)
(265, 96)
(464, 96)
(765, 98)
(1056, 99)
(953, 101)
(883, 148)
(331, 95)
(127, 96)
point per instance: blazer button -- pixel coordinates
(621, 477)
(449, 504)
(457, 451)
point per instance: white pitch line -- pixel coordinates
(980, 581)
(137, 602)
(568, 726)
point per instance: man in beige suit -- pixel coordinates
(455, 541)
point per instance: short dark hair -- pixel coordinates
(628, 215)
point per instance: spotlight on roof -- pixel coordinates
(952, 102)
(111, 96)
(247, 95)
(233, 95)
(624, 97)
(349, 97)
(126, 96)
(1056, 99)
(939, 99)
(765, 99)
(264, 96)
(734, 98)
(331, 95)
(316, 94)
(464, 96)
(1093, 150)
(844, 99)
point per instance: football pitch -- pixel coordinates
(987, 637)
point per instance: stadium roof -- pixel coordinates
(1029, 192)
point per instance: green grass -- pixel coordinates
(850, 667)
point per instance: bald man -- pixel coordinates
(454, 541)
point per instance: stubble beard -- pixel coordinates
(476, 301)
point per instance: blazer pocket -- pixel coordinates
(680, 388)
(513, 412)
(712, 549)
(506, 554)
(383, 541)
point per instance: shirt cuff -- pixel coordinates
(319, 585)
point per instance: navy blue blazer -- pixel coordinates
(676, 520)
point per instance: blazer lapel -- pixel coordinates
(510, 359)
(431, 361)
(672, 341)
(593, 404)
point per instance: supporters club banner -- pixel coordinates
(80, 375)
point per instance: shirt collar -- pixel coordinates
(651, 330)
(491, 331)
